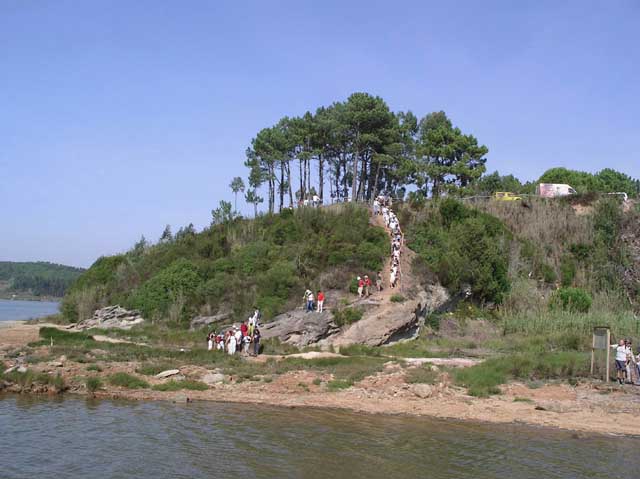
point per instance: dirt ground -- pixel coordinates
(591, 407)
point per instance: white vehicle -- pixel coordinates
(554, 190)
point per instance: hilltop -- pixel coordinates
(36, 280)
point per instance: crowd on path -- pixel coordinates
(244, 339)
(382, 206)
(627, 364)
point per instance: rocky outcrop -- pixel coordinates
(203, 321)
(112, 317)
(300, 328)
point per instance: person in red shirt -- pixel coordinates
(360, 286)
(367, 285)
(320, 298)
(244, 329)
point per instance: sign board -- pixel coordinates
(600, 338)
(600, 351)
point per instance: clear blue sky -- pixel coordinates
(118, 117)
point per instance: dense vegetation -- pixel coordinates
(38, 278)
(234, 265)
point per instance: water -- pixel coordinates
(74, 438)
(14, 310)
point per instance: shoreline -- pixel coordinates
(588, 407)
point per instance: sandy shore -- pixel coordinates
(590, 407)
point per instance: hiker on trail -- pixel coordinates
(376, 207)
(316, 201)
(246, 342)
(367, 286)
(308, 297)
(238, 335)
(320, 297)
(630, 365)
(621, 360)
(219, 342)
(360, 286)
(244, 329)
(254, 320)
(231, 343)
(256, 342)
(210, 338)
(379, 281)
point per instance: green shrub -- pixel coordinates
(93, 383)
(547, 273)
(339, 384)
(125, 380)
(397, 298)
(346, 316)
(151, 369)
(178, 385)
(567, 271)
(575, 300)
(94, 367)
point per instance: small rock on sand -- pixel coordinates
(167, 373)
(423, 391)
(213, 378)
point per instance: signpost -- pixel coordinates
(601, 341)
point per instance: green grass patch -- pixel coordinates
(346, 316)
(179, 385)
(339, 385)
(485, 378)
(520, 399)
(397, 298)
(125, 380)
(94, 367)
(93, 383)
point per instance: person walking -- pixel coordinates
(621, 360)
(256, 341)
(367, 286)
(210, 337)
(379, 281)
(360, 286)
(308, 295)
(320, 297)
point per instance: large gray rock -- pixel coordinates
(392, 322)
(213, 378)
(112, 317)
(300, 328)
(202, 321)
(167, 373)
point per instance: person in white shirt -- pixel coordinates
(621, 360)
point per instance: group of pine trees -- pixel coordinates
(356, 149)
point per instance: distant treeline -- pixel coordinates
(38, 278)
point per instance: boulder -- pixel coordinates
(389, 323)
(112, 317)
(202, 321)
(213, 378)
(167, 373)
(423, 391)
(300, 328)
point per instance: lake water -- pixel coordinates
(14, 310)
(77, 438)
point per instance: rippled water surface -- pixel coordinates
(74, 438)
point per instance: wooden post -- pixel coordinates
(608, 354)
(593, 350)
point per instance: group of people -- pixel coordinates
(365, 284)
(310, 301)
(313, 200)
(245, 339)
(627, 364)
(382, 206)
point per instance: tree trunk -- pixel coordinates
(281, 188)
(320, 177)
(301, 182)
(289, 184)
(354, 182)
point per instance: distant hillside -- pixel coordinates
(36, 278)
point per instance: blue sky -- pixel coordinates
(119, 117)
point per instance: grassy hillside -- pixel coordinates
(545, 266)
(36, 278)
(234, 265)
